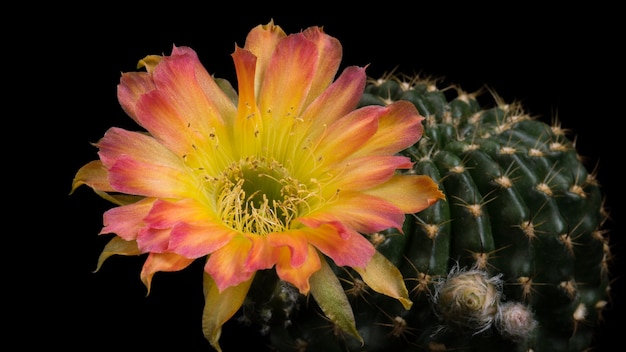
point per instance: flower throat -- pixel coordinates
(259, 196)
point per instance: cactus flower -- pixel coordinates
(284, 174)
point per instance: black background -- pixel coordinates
(564, 62)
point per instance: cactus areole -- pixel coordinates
(516, 258)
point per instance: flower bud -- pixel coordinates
(468, 299)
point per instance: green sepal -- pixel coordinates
(383, 277)
(327, 291)
(119, 246)
(219, 307)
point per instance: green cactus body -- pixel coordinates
(522, 222)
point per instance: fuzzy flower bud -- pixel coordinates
(468, 299)
(515, 321)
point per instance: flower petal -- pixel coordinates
(262, 254)
(295, 240)
(399, 127)
(227, 265)
(343, 245)
(167, 228)
(148, 179)
(150, 239)
(367, 171)
(298, 275)
(217, 97)
(379, 214)
(199, 239)
(346, 135)
(157, 114)
(117, 142)
(249, 123)
(220, 306)
(383, 277)
(197, 97)
(138, 164)
(330, 53)
(162, 262)
(179, 103)
(95, 175)
(339, 99)
(288, 79)
(131, 87)
(245, 65)
(166, 214)
(410, 193)
(262, 41)
(127, 220)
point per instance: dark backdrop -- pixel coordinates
(556, 61)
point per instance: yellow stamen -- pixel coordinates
(259, 195)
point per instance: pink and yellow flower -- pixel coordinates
(285, 175)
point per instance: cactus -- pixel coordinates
(516, 258)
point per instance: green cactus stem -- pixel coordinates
(516, 258)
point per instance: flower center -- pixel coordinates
(259, 196)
